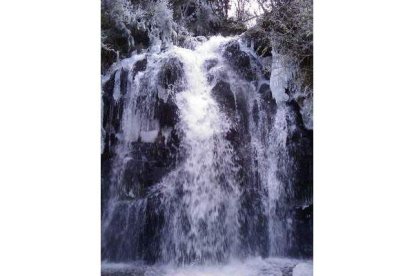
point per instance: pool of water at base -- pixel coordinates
(249, 267)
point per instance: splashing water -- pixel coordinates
(204, 222)
(200, 166)
(249, 267)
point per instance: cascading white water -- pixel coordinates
(203, 224)
(200, 168)
(276, 152)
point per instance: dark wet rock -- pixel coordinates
(106, 166)
(303, 231)
(299, 143)
(224, 96)
(201, 38)
(122, 40)
(141, 39)
(216, 74)
(139, 66)
(236, 110)
(239, 60)
(297, 117)
(149, 163)
(210, 78)
(171, 74)
(118, 40)
(166, 112)
(255, 112)
(242, 110)
(265, 90)
(171, 81)
(112, 112)
(137, 227)
(267, 74)
(119, 222)
(108, 57)
(151, 238)
(210, 64)
(268, 103)
(108, 87)
(253, 223)
(123, 81)
(123, 243)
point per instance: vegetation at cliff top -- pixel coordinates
(132, 25)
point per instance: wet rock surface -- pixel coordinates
(139, 66)
(224, 96)
(146, 163)
(149, 163)
(171, 74)
(140, 102)
(239, 60)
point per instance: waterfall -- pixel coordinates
(201, 196)
(200, 163)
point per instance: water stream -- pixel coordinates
(201, 165)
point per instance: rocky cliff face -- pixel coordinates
(200, 161)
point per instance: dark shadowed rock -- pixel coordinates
(112, 112)
(149, 163)
(108, 87)
(167, 112)
(171, 74)
(299, 143)
(239, 60)
(133, 243)
(216, 73)
(224, 96)
(141, 39)
(255, 112)
(302, 233)
(268, 103)
(210, 64)
(265, 91)
(242, 110)
(139, 66)
(171, 81)
(257, 138)
(123, 81)
(108, 57)
(146, 165)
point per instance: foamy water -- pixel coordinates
(226, 193)
(203, 224)
(249, 267)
